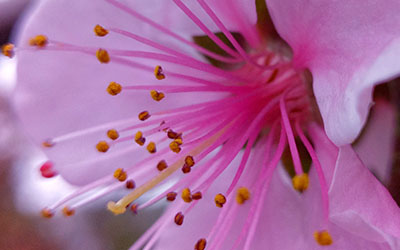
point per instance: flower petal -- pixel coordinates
(349, 47)
(355, 192)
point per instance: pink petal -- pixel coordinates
(376, 144)
(359, 203)
(349, 47)
(62, 92)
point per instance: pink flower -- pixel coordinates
(225, 127)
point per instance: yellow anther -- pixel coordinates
(162, 165)
(151, 147)
(242, 195)
(46, 213)
(114, 88)
(220, 200)
(157, 96)
(323, 238)
(179, 219)
(67, 211)
(175, 147)
(158, 73)
(186, 195)
(102, 146)
(144, 115)
(38, 41)
(112, 134)
(48, 144)
(201, 244)
(139, 139)
(120, 174)
(8, 50)
(100, 31)
(189, 161)
(178, 141)
(103, 56)
(301, 182)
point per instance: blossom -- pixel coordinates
(139, 105)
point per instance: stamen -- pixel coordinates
(323, 238)
(162, 165)
(220, 200)
(139, 139)
(114, 88)
(171, 196)
(38, 41)
(179, 219)
(112, 134)
(102, 146)
(48, 144)
(144, 115)
(174, 146)
(301, 182)
(100, 31)
(151, 147)
(189, 161)
(197, 196)
(186, 195)
(8, 50)
(130, 184)
(242, 195)
(103, 56)
(201, 244)
(46, 213)
(157, 96)
(67, 211)
(173, 135)
(158, 73)
(120, 174)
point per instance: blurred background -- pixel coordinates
(24, 192)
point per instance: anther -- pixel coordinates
(130, 184)
(201, 244)
(186, 169)
(134, 208)
(46, 213)
(102, 146)
(47, 170)
(186, 195)
(158, 73)
(300, 182)
(112, 134)
(171, 196)
(178, 141)
(144, 115)
(162, 165)
(273, 76)
(103, 56)
(114, 88)
(8, 50)
(38, 41)
(157, 96)
(197, 196)
(220, 200)
(100, 31)
(242, 195)
(172, 134)
(48, 144)
(67, 211)
(120, 174)
(139, 139)
(323, 238)
(189, 161)
(174, 146)
(151, 147)
(179, 219)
